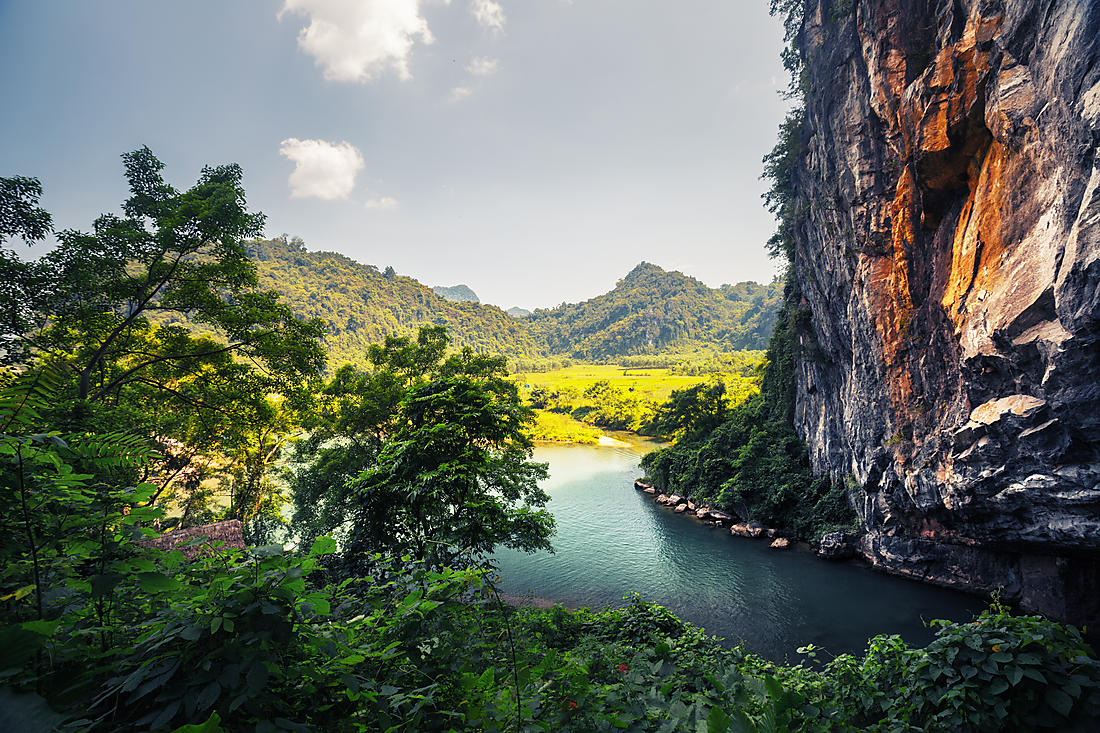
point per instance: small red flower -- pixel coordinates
(623, 668)
(572, 705)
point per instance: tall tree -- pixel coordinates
(424, 455)
(119, 308)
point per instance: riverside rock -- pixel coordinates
(838, 546)
(948, 259)
(780, 543)
(751, 529)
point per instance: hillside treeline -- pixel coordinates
(649, 312)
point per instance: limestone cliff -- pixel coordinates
(948, 251)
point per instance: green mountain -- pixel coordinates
(651, 311)
(362, 305)
(517, 312)
(456, 293)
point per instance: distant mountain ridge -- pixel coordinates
(650, 311)
(456, 293)
(361, 305)
(653, 310)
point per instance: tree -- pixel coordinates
(155, 315)
(455, 479)
(423, 455)
(692, 412)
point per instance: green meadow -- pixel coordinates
(574, 403)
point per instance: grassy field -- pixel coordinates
(647, 384)
(576, 402)
(550, 427)
(651, 384)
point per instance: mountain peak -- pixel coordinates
(641, 269)
(457, 293)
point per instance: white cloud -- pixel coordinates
(460, 93)
(483, 66)
(322, 169)
(489, 14)
(357, 40)
(385, 203)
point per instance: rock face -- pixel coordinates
(949, 260)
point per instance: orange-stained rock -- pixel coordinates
(948, 252)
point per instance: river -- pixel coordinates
(613, 540)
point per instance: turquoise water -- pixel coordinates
(612, 540)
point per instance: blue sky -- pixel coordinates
(535, 150)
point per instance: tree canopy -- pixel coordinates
(422, 453)
(95, 309)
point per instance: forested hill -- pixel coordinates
(457, 293)
(361, 304)
(652, 310)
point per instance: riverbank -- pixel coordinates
(613, 541)
(831, 546)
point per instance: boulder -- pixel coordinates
(650, 490)
(640, 485)
(780, 543)
(838, 546)
(752, 529)
(676, 499)
(680, 509)
(662, 498)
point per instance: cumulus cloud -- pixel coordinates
(483, 66)
(489, 14)
(384, 203)
(460, 93)
(357, 40)
(322, 169)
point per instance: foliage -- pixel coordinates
(751, 463)
(651, 311)
(691, 413)
(424, 453)
(101, 633)
(626, 397)
(20, 214)
(780, 166)
(999, 672)
(361, 306)
(552, 427)
(98, 308)
(454, 478)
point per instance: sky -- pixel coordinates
(535, 150)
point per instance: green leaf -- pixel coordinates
(157, 582)
(210, 725)
(18, 593)
(322, 546)
(1060, 701)
(41, 627)
(208, 696)
(717, 720)
(1035, 675)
